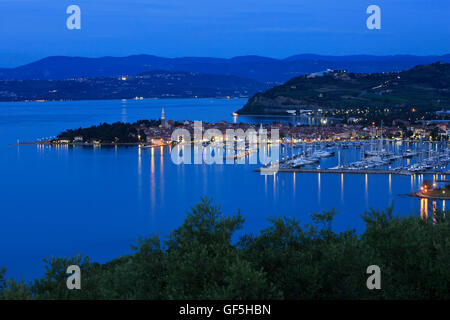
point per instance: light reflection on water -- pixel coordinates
(390, 184)
(293, 184)
(425, 207)
(366, 185)
(414, 181)
(318, 189)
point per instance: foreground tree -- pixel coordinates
(200, 260)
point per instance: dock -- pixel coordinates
(358, 171)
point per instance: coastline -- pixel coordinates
(74, 144)
(133, 98)
(281, 115)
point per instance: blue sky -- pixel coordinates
(31, 29)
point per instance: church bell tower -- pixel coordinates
(163, 119)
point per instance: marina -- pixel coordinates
(369, 157)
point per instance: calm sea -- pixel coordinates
(97, 201)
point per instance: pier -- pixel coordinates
(356, 171)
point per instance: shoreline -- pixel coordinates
(74, 144)
(120, 99)
(283, 116)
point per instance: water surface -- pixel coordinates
(56, 201)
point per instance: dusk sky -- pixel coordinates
(32, 30)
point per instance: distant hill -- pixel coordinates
(422, 88)
(261, 69)
(154, 84)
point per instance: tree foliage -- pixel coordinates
(286, 260)
(107, 133)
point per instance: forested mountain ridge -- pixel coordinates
(422, 88)
(258, 68)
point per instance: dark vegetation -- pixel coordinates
(117, 132)
(200, 260)
(409, 95)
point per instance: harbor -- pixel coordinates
(374, 156)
